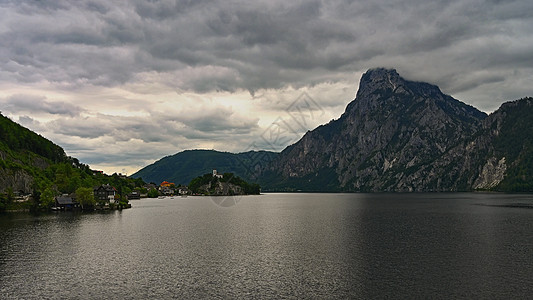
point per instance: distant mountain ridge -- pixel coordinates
(182, 167)
(401, 136)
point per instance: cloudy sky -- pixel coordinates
(120, 84)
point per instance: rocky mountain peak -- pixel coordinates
(393, 128)
(384, 90)
(380, 75)
(379, 79)
(383, 82)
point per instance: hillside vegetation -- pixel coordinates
(33, 165)
(182, 167)
(228, 184)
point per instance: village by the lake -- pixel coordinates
(109, 197)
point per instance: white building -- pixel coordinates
(215, 174)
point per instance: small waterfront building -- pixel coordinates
(165, 190)
(66, 202)
(105, 192)
(166, 184)
(134, 195)
(150, 186)
(183, 190)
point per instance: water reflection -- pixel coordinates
(324, 246)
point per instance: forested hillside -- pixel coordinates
(33, 165)
(182, 167)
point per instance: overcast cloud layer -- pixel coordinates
(119, 84)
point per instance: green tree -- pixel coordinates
(3, 202)
(63, 173)
(10, 195)
(123, 203)
(125, 192)
(138, 182)
(153, 193)
(85, 197)
(47, 198)
(35, 201)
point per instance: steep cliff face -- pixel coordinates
(18, 174)
(387, 140)
(507, 138)
(491, 174)
(17, 180)
(499, 156)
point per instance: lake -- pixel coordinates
(276, 246)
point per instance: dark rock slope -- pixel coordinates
(399, 135)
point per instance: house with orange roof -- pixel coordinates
(166, 188)
(166, 184)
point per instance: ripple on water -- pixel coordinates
(275, 246)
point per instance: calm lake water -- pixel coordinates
(276, 246)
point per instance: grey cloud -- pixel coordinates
(131, 157)
(38, 105)
(31, 123)
(210, 122)
(215, 119)
(135, 155)
(158, 10)
(101, 125)
(119, 140)
(465, 83)
(81, 127)
(25, 120)
(261, 44)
